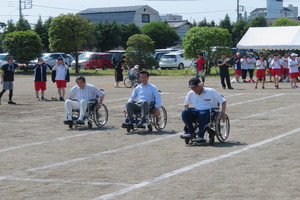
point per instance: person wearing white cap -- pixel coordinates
(294, 72)
(134, 73)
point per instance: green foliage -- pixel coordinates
(107, 36)
(161, 33)
(70, 33)
(204, 23)
(285, 22)
(238, 31)
(226, 23)
(139, 51)
(259, 21)
(128, 30)
(42, 30)
(23, 25)
(23, 45)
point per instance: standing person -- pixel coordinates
(244, 67)
(276, 70)
(269, 66)
(294, 72)
(237, 67)
(60, 75)
(261, 71)
(7, 78)
(286, 71)
(251, 65)
(200, 67)
(83, 93)
(146, 94)
(203, 99)
(40, 78)
(122, 64)
(224, 71)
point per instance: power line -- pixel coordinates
(57, 8)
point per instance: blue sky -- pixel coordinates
(189, 9)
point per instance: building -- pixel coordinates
(181, 27)
(275, 10)
(140, 15)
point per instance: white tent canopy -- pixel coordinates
(272, 38)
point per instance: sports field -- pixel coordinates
(41, 158)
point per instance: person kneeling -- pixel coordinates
(203, 100)
(83, 93)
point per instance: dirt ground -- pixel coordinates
(41, 158)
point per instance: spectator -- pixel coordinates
(251, 65)
(285, 71)
(270, 68)
(7, 78)
(223, 63)
(237, 67)
(40, 78)
(60, 75)
(134, 72)
(261, 71)
(244, 67)
(200, 67)
(276, 70)
(294, 72)
(122, 64)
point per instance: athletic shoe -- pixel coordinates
(276, 86)
(230, 88)
(38, 99)
(252, 81)
(127, 125)
(255, 87)
(61, 99)
(11, 102)
(263, 87)
(67, 121)
(249, 81)
(44, 99)
(186, 136)
(81, 122)
(238, 81)
(199, 140)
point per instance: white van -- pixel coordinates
(174, 60)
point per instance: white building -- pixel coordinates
(274, 9)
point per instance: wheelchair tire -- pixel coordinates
(222, 128)
(90, 125)
(128, 83)
(71, 125)
(161, 121)
(150, 129)
(100, 116)
(187, 141)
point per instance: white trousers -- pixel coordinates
(70, 105)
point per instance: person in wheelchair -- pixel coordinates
(203, 100)
(79, 98)
(146, 94)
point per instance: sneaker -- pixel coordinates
(68, 121)
(296, 86)
(230, 88)
(252, 81)
(244, 81)
(61, 99)
(199, 140)
(38, 99)
(11, 102)
(249, 81)
(276, 86)
(81, 122)
(238, 81)
(224, 88)
(263, 87)
(233, 80)
(186, 136)
(255, 87)
(127, 125)
(142, 125)
(44, 99)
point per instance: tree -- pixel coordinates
(23, 45)
(238, 30)
(139, 50)
(127, 31)
(23, 25)
(259, 21)
(8, 29)
(285, 22)
(226, 23)
(107, 35)
(69, 33)
(161, 33)
(41, 30)
(203, 39)
(203, 23)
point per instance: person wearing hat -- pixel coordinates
(261, 65)
(60, 75)
(133, 73)
(276, 70)
(294, 72)
(7, 78)
(200, 67)
(40, 78)
(223, 63)
(203, 99)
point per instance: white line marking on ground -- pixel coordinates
(64, 182)
(191, 167)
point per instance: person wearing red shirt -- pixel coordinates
(200, 67)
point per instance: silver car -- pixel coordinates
(174, 60)
(51, 58)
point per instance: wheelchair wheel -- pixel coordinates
(75, 116)
(128, 83)
(161, 121)
(222, 128)
(71, 125)
(100, 116)
(187, 141)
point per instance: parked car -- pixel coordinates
(94, 60)
(3, 58)
(51, 58)
(116, 55)
(174, 60)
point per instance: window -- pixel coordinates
(145, 18)
(95, 57)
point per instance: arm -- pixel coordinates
(2, 76)
(223, 109)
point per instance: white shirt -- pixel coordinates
(208, 99)
(252, 62)
(61, 72)
(293, 69)
(132, 72)
(244, 64)
(275, 64)
(260, 65)
(285, 62)
(89, 92)
(148, 92)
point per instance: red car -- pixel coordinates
(99, 61)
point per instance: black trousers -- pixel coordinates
(224, 74)
(251, 73)
(244, 73)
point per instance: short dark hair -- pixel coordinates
(144, 72)
(60, 58)
(80, 78)
(200, 54)
(9, 58)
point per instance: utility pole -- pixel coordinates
(238, 10)
(20, 9)
(24, 4)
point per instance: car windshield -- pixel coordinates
(84, 56)
(45, 56)
(2, 57)
(168, 57)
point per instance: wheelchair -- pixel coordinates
(131, 81)
(153, 121)
(215, 128)
(98, 116)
